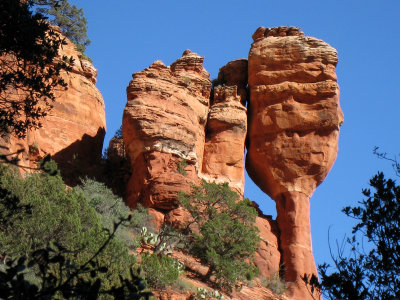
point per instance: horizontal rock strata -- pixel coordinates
(294, 120)
(164, 130)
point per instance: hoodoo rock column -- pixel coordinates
(294, 119)
(164, 130)
(225, 138)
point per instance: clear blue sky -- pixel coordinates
(128, 35)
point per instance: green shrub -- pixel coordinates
(111, 208)
(226, 239)
(275, 284)
(47, 212)
(57, 278)
(160, 271)
(183, 285)
(181, 165)
(202, 293)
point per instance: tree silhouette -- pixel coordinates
(371, 270)
(29, 67)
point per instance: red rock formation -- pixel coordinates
(117, 169)
(225, 138)
(164, 130)
(74, 129)
(294, 120)
(165, 125)
(267, 257)
(235, 73)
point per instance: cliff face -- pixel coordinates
(73, 131)
(294, 120)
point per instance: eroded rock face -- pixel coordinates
(235, 73)
(73, 131)
(294, 119)
(164, 130)
(174, 138)
(225, 139)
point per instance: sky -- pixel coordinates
(128, 35)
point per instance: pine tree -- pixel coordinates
(69, 18)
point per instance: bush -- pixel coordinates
(111, 209)
(57, 278)
(275, 284)
(226, 238)
(47, 212)
(181, 166)
(160, 271)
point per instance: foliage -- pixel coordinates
(371, 270)
(116, 165)
(202, 293)
(275, 284)
(223, 235)
(160, 271)
(164, 241)
(118, 133)
(29, 67)
(58, 278)
(111, 208)
(187, 80)
(46, 212)
(69, 18)
(181, 165)
(393, 161)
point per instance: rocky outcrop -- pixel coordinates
(174, 137)
(73, 131)
(225, 139)
(116, 168)
(164, 130)
(235, 73)
(294, 119)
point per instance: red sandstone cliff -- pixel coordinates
(173, 137)
(73, 131)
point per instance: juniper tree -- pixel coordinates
(224, 236)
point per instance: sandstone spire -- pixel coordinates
(164, 130)
(294, 119)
